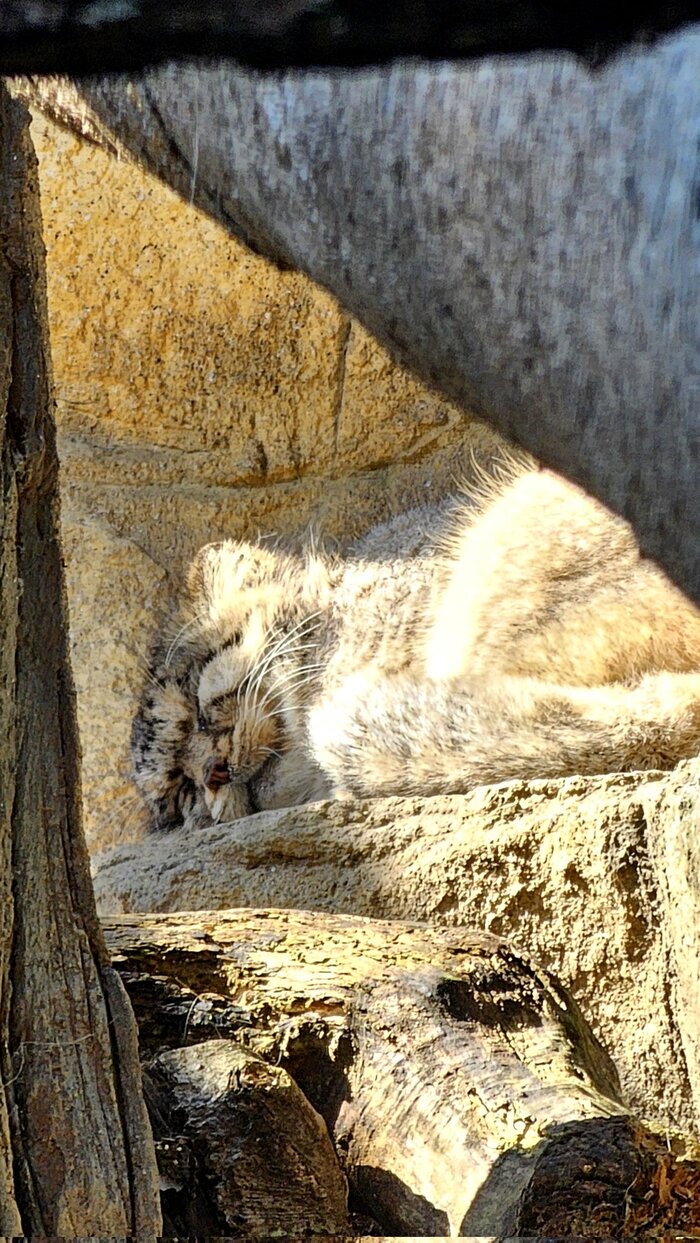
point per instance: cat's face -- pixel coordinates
(223, 708)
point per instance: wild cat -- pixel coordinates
(520, 634)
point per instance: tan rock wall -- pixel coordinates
(200, 393)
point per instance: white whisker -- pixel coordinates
(182, 631)
(287, 645)
(294, 680)
(286, 642)
(256, 675)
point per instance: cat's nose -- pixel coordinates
(216, 774)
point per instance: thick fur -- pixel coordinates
(523, 636)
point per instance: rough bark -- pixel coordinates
(232, 1133)
(522, 233)
(600, 880)
(462, 1087)
(64, 36)
(76, 1155)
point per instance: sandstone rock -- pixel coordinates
(182, 358)
(115, 591)
(568, 870)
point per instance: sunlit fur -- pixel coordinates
(230, 681)
(512, 632)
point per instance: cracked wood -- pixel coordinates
(456, 1078)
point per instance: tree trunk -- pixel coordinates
(76, 1155)
(461, 1085)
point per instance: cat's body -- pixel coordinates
(524, 636)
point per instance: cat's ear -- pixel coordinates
(202, 571)
(220, 572)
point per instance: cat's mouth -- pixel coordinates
(230, 793)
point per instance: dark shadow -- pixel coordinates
(590, 1177)
(491, 1002)
(398, 1209)
(187, 1204)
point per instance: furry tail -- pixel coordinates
(399, 735)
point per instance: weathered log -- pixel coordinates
(64, 36)
(76, 1154)
(253, 1157)
(462, 1087)
(522, 233)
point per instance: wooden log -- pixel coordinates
(76, 1153)
(243, 1131)
(461, 1085)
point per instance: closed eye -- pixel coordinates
(227, 699)
(223, 711)
(220, 713)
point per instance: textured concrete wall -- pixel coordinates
(200, 393)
